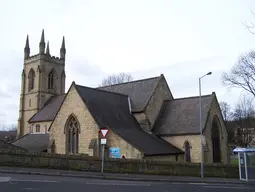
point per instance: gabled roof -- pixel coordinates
(33, 142)
(112, 110)
(139, 91)
(49, 111)
(181, 116)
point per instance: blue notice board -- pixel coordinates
(114, 152)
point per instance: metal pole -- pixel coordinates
(245, 166)
(239, 164)
(102, 166)
(201, 130)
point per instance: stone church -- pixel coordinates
(143, 117)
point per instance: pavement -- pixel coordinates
(42, 183)
(119, 176)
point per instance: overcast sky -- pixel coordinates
(182, 39)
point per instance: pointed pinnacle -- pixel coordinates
(27, 43)
(42, 37)
(63, 43)
(48, 49)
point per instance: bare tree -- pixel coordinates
(227, 117)
(116, 79)
(244, 117)
(242, 75)
(251, 26)
(226, 111)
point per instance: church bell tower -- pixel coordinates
(43, 76)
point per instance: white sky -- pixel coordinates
(182, 39)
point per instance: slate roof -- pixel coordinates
(49, 111)
(181, 116)
(4, 145)
(112, 110)
(139, 91)
(33, 142)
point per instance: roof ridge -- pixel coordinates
(96, 89)
(130, 82)
(191, 97)
(19, 138)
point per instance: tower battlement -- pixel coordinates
(52, 59)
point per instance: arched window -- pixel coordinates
(31, 79)
(51, 80)
(72, 130)
(37, 128)
(215, 136)
(187, 151)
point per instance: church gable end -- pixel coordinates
(73, 107)
(154, 104)
(216, 134)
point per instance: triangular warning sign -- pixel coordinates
(104, 132)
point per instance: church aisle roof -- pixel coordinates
(181, 116)
(139, 91)
(112, 110)
(33, 142)
(50, 109)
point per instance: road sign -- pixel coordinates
(103, 141)
(104, 132)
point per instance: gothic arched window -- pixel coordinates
(51, 80)
(187, 151)
(31, 79)
(72, 130)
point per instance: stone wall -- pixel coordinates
(194, 140)
(84, 163)
(126, 149)
(44, 126)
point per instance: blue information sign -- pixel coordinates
(114, 152)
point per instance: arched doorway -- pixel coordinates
(187, 151)
(215, 136)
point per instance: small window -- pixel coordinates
(37, 128)
(29, 102)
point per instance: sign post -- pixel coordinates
(104, 132)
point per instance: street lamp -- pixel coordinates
(200, 123)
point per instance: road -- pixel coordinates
(35, 183)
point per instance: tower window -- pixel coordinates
(51, 80)
(31, 79)
(37, 128)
